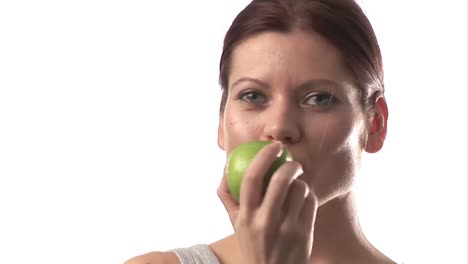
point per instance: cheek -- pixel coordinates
(239, 129)
(342, 133)
(335, 157)
(330, 135)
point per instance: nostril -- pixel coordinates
(285, 133)
(284, 141)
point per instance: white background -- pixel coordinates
(108, 118)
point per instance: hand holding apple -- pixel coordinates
(275, 226)
(240, 159)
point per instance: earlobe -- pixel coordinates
(378, 127)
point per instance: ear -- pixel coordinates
(377, 131)
(221, 131)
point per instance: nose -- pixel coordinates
(282, 124)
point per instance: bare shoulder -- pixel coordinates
(156, 257)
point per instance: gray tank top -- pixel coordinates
(197, 254)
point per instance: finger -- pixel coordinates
(231, 205)
(309, 211)
(278, 188)
(252, 183)
(295, 199)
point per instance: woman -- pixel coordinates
(306, 75)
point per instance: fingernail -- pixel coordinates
(299, 171)
(279, 149)
(307, 191)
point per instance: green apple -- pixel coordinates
(239, 160)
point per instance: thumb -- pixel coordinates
(231, 205)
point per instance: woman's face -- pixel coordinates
(294, 88)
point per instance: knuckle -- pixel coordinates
(312, 197)
(250, 179)
(262, 231)
(219, 192)
(291, 231)
(279, 180)
(302, 187)
(243, 219)
(259, 227)
(222, 195)
(288, 231)
(283, 175)
(285, 179)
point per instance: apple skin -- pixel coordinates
(241, 157)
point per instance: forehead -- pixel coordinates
(296, 56)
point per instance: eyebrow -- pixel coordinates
(320, 83)
(305, 85)
(249, 79)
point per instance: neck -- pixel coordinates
(338, 234)
(337, 237)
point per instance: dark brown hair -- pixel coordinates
(341, 22)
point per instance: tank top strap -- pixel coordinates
(197, 254)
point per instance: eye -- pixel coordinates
(252, 97)
(320, 99)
